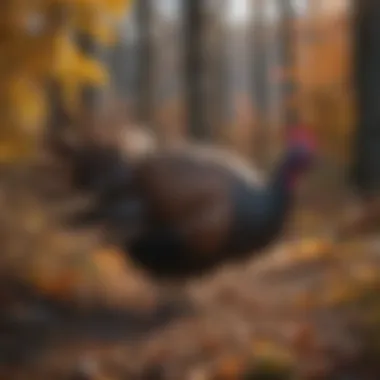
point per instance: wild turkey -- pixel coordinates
(193, 207)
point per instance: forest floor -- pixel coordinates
(307, 308)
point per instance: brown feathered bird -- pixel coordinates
(193, 207)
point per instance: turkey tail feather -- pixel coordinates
(125, 212)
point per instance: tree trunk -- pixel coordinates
(144, 15)
(289, 88)
(259, 62)
(91, 95)
(193, 18)
(258, 71)
(214, 35)
(366, 166)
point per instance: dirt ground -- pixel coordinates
(75, 309)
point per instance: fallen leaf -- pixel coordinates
(269, 350)
(312, 249)
(303, 340)
(229, 369)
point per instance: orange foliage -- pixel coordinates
(323, 73)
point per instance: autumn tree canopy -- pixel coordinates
(37, 47)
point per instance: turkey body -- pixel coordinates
(197, 209)
(182, 210)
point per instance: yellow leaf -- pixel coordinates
(29, 106)
(87, 18)
(105, 35)
(65, 55)
(71, 92)
(90, 72)
(15, 148)
(118, 7)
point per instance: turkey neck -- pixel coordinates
(280, 190)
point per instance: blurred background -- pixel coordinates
(235, 73)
